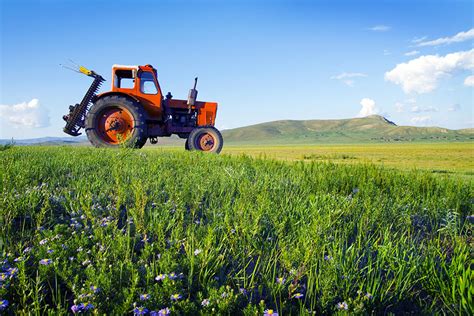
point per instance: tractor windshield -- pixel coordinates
(147, 83)
(124, 78)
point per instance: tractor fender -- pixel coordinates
(111, 93)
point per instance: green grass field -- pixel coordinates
(443, 158)
(128, 232)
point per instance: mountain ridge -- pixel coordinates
(374, 128)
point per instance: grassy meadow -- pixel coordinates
(320, 230)
(442, 158)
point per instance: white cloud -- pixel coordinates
(27, 114)
(399, 107)
(417, 40)
(469, 81)
(412, 53)
(368, 107)
(421, 120)
(421, 75)
(386, 52)
(346, 77)
(380, 28)
(454, 108)
(460, 37)
(418, 109)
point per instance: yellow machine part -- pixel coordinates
(84, 70)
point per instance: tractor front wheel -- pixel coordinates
(115, 121)
(205, 138)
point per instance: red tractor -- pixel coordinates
(135, 110)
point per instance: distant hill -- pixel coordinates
(48, 141)
(372, 128)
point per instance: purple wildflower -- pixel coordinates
(342, 306)
(205, 302)
(84, 296)
(270, 312)
(3, 304)
(176, 297)
(327, 258)
(12, 272)
(50, 251)
(160, 277)
(280, 280)
(46, 262)
(77, 308)
(44, 241)
(144, 297)
(298, 295)
(3, 276)
(243, 291)
(104, 222)
(197, 251)
(368, 296)
(172, 276)
(94, 289)
(140, 310)
(88, 306)
(18, 259)
(27, 249)
(164, 312)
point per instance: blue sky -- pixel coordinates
(411, 61)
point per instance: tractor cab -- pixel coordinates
(140, 82)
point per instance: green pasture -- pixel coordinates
(319, 230)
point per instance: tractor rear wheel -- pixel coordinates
(205, 138)
(115, 121)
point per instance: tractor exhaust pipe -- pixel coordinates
(192, 96)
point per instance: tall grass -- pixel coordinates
(232, 235)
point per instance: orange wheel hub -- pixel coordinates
(207, 142)
(115, 125)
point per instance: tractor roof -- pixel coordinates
(125, 66)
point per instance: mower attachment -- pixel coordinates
(77, 113)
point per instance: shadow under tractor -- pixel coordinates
(135, 111)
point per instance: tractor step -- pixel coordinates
(77, 113)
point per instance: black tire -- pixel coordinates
(137, 137)
(186, 145)
(195, 139)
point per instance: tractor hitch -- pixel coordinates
(75, 120)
